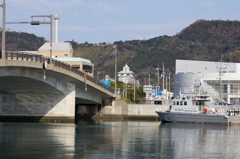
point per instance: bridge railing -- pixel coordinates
(13, 55)
(24, 56)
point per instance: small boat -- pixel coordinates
(196, 109)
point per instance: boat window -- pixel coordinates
(180, 102)
(198, 103)
(177, 103)
(185, 102)
(174, 103)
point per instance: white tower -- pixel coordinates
(56, 18)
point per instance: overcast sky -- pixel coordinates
(97, 21)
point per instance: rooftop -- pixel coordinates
(59, 46)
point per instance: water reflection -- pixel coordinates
(35, 140)
(199, 141)
(118, 139)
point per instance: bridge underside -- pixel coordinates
(25, 92)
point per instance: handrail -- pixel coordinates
(15, 55)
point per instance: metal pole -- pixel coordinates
(169, 83)
(134, 91)
(220, 85)
(114, 46)
(166, 86)
(158, 74)
(51, 39)
(126, 91)
(3, 28)
(163, 77)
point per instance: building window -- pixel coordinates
(225, 88)
(234, 88)
(65, 55)
(87, 68)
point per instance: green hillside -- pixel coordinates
(202, 40)
(22, 41)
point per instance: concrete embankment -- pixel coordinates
(41, 119)
(120, 110)
(117, 110)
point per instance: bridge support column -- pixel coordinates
(65, 107)
(39, 107)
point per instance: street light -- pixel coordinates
(115, 50)
(3, 27)
(38, 23)
(44, 22)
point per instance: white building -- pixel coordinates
(126, 76)
(219, 79)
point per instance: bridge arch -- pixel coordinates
(22, 81)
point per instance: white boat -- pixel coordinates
(195, 109)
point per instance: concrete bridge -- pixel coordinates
(28, 90)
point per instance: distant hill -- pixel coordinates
(22, 41)
(202, 40)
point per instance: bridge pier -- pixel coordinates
(39, 107)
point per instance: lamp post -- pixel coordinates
(38, 23)
(44, 22)
(3, 27)
(115, 50)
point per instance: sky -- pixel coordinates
(97, 21)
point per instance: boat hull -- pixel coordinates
(193, 118)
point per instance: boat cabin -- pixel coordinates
(193, 104)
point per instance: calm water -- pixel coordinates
(117, 139)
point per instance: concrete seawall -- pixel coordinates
(120, 110)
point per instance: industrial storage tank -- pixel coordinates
(184, 83)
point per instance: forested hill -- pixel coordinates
(202, 40)
(22, 41)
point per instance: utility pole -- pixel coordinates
(115, 51)
(169, 83)
(158, 75)
(166, 85)
(220, 79)
(220, 85)
(134, 90)
(163, 78)
(3, 27)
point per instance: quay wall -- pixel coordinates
(119, 109)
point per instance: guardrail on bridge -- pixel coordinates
(10, 55)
